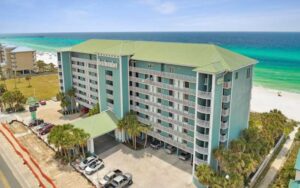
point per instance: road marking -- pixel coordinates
(4, 180)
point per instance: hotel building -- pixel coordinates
(20, 60)
(195, 96)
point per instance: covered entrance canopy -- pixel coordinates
(97, 125)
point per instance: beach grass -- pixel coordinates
(43, 87)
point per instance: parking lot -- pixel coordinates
(150, 168)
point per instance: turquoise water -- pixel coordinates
(278, 53)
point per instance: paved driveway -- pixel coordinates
(149, 168)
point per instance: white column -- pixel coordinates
(90, 145)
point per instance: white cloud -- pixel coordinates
(163, 7)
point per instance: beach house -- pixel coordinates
(195, 96)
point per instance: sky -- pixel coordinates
(35, 16)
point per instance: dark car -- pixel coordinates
(170, 149)
(46, 129)
(35, 122)
(156, 144)
(184, 156)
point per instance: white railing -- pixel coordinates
(83, 60)
(203, 123)
(223, 138)
(224, 125)
(225, 112)
(199, 161)
(204, 94)
(203, 137)
(204, 109)
(201, 150)
(227, 85)
(109, 77)
(109, 87)
(226, 99)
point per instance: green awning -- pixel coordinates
(99, 124)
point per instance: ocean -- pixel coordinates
(278, 53)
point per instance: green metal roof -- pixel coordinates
(98, 124)
(297, 164)
(294, 184)
(206, 58)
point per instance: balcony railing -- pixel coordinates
(226, 99)
(224, 125)
(227, 85)
(163, 74)
(225, 112)
(109, 87)
(83, 60)
(223, 138)
(203, 123)
(203, 137)
(204, 109)
(199, 161)
(109, 77)
(204, 94)
(201, 150)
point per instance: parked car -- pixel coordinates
(46, 129)
(41, 126)
(94, 166)
(110, 176)
(120, 181)
(42, 102)
(35, 122)
(37, 105)
(156, 144)
(170, 149)
(87, 161)
(184, 156)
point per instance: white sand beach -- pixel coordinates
(47, 57)
(263, 100)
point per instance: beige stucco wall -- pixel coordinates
(25, 60)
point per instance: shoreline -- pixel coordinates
(265, 99)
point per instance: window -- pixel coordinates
(186, 84)
(236, 75)
(137, 84)
(159, 111)
(171, 81)
(92, 66)
(109, 82)
(159, 121)
(147, 107)
(185, 120)
(92, 74)
(172, 69)
(170, 115)
(137, 74)
(110, 101)
(149, 65)
(248, 72)
(130, 73)
(159, 79)
(146, 87)
(171, 104)
(184, 141)
(130, 83)
(170, 125)
(158, 90)
(137, 94)
(159, 100)
(130, 93)
(170, 136)
(186, 97)
(131, 103)
(108, 72)
(146, 97)
(185, 131)
(170, 92)
(108, 91)
(186, 108)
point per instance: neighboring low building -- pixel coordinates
(19, 60)
(296, 183)
(196, 96)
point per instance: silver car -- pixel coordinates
(121, 181)
(87, 161)
(110, 176)
(94, 166)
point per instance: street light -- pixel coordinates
(227, 177)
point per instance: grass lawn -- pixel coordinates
(44, 86)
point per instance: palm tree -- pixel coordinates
(145, 129)
(82, 138)
(205, 174)
(28, 78)
(72, 93)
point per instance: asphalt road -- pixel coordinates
(7, 179)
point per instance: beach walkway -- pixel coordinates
(279, 160)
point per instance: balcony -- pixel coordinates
(226, 99)
(203, 137)
(201, 150)
(223, 138)
(109, 77)
(224, 125)
(227, 85)
(204, 94)
(109, 87)
(109, 96)
(225, 112)
(199, 161)
(83, 60)
(204, 109)
(203, 123)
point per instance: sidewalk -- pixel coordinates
(279, 161)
